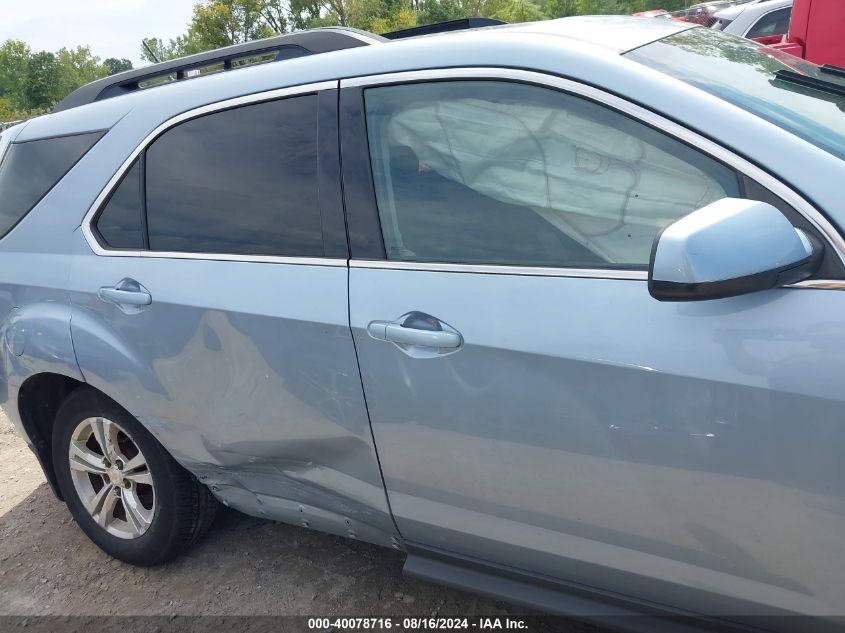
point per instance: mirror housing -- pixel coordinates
(728, 248)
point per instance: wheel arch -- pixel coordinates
(38, 402)
(39, 399)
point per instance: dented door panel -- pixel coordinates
(246, 373)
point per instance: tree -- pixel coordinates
(276, 14)
(77, 67)
(114, 65)
(31, 83)
(431, 11)
(561, 8)
(225, 22)
(14, 60)
(217, 23)
(161, 50)
(381, 16)
(304, 14)
(41, 89)
(519, 11)
(8, 112)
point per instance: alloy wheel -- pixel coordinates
(111, 477)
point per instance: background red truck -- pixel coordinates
(816, 32)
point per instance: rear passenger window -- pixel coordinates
(774, 23)
(487, 172)
(119, 224)
(240, 181)
(30, 169)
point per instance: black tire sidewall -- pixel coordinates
(157, 543)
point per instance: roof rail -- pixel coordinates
(271, 49)
(442, 27)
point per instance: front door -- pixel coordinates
(533, 406)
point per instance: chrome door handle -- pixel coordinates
(127, 292)
(418, 330)
(126, 297)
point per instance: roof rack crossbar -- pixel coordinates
(821, 85)
(833, 70)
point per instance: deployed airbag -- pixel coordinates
(601, 185)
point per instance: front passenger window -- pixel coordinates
(491, 172)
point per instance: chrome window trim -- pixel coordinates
(228, 257)
(539, 271)
(820, 284)
(499, 269)
(708, 147)
(270, 95)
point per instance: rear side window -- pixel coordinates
(30, 169)
(119, 224)
(240, 181)
(774, 23)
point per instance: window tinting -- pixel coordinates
(774, 23)
(491, 172)
(30, 169)
(241, 181)
(119, 223)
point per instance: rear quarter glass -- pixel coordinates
(31, 169)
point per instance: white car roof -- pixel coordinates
(754, 8)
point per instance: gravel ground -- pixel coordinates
(244, 566)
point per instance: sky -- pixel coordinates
(112, 28)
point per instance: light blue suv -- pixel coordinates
(556, 308)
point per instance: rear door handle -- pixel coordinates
(416, 329)
(127, 292)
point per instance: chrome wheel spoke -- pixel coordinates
(135, 470)
(140, 477)
(84, 459)
(100, 502)
(138, 517)
(105, 433)
(106, 513)
(136, 463)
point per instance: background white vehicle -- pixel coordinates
(765, 21)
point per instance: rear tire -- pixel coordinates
(123, 489)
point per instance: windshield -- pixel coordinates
(743, 73)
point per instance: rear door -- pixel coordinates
(210, 299)
(533, 406)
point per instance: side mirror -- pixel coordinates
(730, 247)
